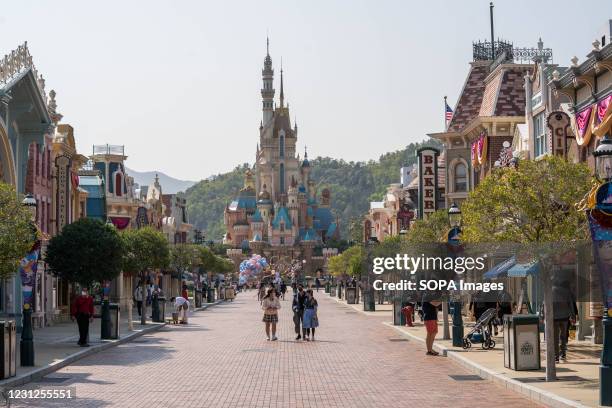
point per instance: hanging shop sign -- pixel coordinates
(558, 123)
(428, 180)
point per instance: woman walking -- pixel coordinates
(311, 320)
(271, 305)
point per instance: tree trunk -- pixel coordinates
(143, 288)
(549, 330)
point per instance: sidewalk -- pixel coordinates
(56, 346)
(578, 379)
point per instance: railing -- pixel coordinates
(108, 149)
(504, 51)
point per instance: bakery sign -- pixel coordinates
(428, 180)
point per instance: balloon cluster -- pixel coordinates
(251, 267)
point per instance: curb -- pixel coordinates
(533, 393)
(43, 371)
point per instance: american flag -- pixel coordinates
(448, 112)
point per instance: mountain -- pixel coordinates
(353, 185)
(170, 185)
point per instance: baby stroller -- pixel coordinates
(481, 333)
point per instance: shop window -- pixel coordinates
(539, 133)
(460, 178)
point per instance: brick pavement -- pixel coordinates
(222, 359)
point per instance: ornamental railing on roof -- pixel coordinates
(504, 51)
(18, 61)
(109, 149)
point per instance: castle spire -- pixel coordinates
(282, 93)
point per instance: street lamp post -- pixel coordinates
(105, 318)
(603, 171)
(27, 336)
(454, 219)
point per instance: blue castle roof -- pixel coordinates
(257, 216)
(282, 215)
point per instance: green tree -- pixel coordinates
(85, 252)
(16, 233)
(183, 258)
(534, 204)
(145, 249)
(429, 230)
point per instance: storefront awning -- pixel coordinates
(522, 270)
(500, 269)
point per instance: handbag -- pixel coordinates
(315, 320)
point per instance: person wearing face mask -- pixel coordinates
(83, 311)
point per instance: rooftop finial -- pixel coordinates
(267, 45)
(305, 152)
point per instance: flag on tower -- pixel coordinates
(448, 112)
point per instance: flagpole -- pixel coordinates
(445, 121)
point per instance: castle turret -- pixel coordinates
(267, 92)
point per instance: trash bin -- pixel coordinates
(114, 320)
(210, 295)
(230, 294)
(398, 316)
(198, 298)
(333, 291)
(12, 329)
(351, 296)
(339, 291)
(521, 342)
(159, 312)
(5, 350)
(369, 305)
(327, 287)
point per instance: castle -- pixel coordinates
(277, 213)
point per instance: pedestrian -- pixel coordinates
(181, 305)
(430, 318)
(563, 315)
(270, 306)
(297, 306)
(408, 310)
(83, 311)
(317, 284)
(283, 288)
(138, 298)
(311, 319)
(184, 292)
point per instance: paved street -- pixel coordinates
(222, 359)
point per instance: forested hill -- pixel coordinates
(353, 185)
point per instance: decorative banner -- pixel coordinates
(27, 271)
(602, 120)
(120, 222)
(582, 121)
(428, 180)
(479, 150)
(600, 221)
(558, 122)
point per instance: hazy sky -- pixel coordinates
(178, 82)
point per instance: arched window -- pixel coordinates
(118, 185)
(281, 146)
(460, 178)
(281, 176)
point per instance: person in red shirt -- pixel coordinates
(83, 310)
(184, 292)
